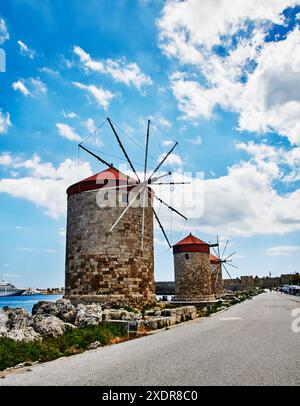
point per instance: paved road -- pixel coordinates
(251, 343)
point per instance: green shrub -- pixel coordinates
(71, 342)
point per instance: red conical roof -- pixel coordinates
(191, 244)
(190, 239)
(110, 173)
(108, 177)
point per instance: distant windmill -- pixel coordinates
(217, 262)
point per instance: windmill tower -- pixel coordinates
(109, 250)
(217, 262)
(192, 270)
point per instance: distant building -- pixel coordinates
(168, 287)
(248, 282)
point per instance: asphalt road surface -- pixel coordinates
(251, 343)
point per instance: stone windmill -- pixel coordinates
(218, 261)
(109, 248)
(192, 270)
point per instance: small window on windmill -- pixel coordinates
(187, 256)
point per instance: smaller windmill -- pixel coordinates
(218, 261)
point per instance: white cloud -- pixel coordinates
(9, 276)
(159, 242)
(5, 159)
(270, 100)
(90, 125)
(38, 86)
(188, 27)
(5, 122)
(194, 141)
(239, 256)
(244, 202)
(102, 96)
(161, 121)
(279, 163)
(70, 114)
(45, 250)
(62, 235)
(20, 228)
(87, 60)
(68, 132)
(282, 250)
(129, 74)
(49, 251)
(25, 50)
(30, 87)
(49, 71)
(19, 85)
(26, 249)
(193, 99)
(257, 79)
(164, 122)
(4, 35)
(167, 143)
(95, 133)
(127, 129)
(44, 185)
(173, 159)
(62, 232)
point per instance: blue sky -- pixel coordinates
(223, 82)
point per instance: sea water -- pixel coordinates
(26, 301)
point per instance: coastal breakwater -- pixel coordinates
(58, 329)
(51, 319)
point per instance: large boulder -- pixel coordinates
(3, 323)
(157, 322)
(20, 325)
(88, 315)
(50, 326)
(183, 313)
(121, 314)
(62, 308)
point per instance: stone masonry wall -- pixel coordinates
(216, 280)
(192, 276)
(103, 267)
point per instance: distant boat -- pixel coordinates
(31, 291)
(8, 289)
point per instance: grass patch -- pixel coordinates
(70, 343)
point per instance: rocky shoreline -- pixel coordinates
(52, 319)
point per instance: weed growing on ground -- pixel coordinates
(73, 341)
